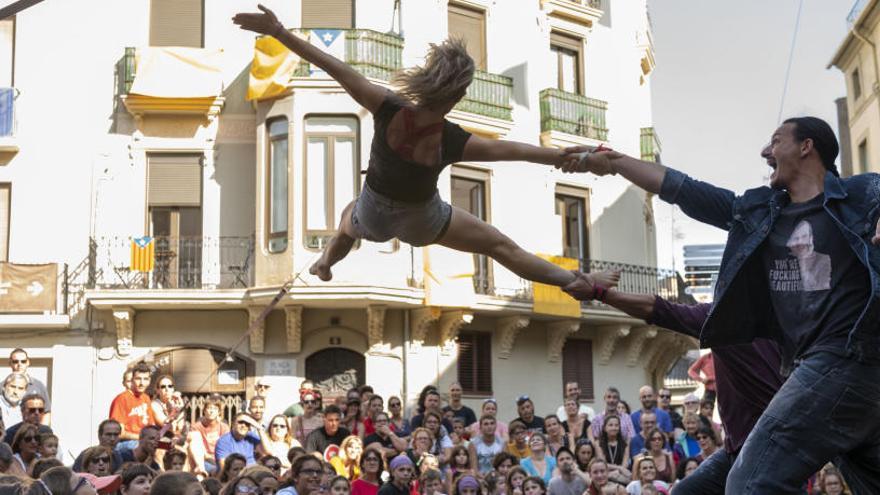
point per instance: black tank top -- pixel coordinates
(391, 175)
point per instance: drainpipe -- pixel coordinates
(404, 396)
(873, 46)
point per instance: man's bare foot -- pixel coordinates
(606, 279)
(321, 271)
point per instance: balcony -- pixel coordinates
(650, 145)
(488, 95)
(375, 55)
(572, 114)
(143, 75)
(202, 263)
(585, 12)
(8, 120)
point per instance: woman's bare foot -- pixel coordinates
(321, 270)
(606, 279)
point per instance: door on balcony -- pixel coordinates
(469, 25)
(175, 219)
(568, 59)
(469, 188)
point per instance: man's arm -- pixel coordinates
(695, 368)
(698, 200)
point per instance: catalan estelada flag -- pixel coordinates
(142, 254)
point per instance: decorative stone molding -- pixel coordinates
(450, 323)
(293, 327)
(421, 322)
(557, 333)
(608, 336)
(124, 321)
(258, 335)
(679, 345)
(662, 344)
(507, 328)
(375, 324)
(637, 343)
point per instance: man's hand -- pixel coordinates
(581, 288)
(583, 159)
(265, 23)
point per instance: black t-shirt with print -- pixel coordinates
(818, 287)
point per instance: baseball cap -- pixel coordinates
(691, 398)
(103, 484)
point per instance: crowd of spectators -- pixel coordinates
(359, 443)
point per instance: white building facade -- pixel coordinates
(141, 126)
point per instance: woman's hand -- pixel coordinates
(265, 23)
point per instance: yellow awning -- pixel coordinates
(549, 299)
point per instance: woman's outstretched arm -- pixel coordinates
(367, 94)
(479, 149)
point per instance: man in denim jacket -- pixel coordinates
(801, 267)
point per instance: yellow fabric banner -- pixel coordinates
(177, 72)
(143, 254)
(271, 69)
(549, 299)
(28, 288)
(449, 277)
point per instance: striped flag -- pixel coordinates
(142, 254)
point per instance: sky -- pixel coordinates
(718, 86)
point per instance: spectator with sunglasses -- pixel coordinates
(398, 424)
(309, 420)
(108, 436)
(19, 362)
(167, 405)
(243, 438)
(297, 409)
(278, 440)
(664, 402)
(32, 411)
(97, 460)
(304, 477)
(272, 463)
(25, 445)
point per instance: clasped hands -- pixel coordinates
(597, 161)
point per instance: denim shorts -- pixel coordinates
(378, 218)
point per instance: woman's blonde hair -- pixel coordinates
(443, 79)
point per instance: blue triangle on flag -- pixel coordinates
(143, 241)
(327, 36)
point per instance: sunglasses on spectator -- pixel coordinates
(310, 402)
(167, 385)
(102, 460)
(394, 404)
(263, 385)
(40, 410)
(242, 422)
(702, 437)
(18, 361)
(665, 396)
(30, 438)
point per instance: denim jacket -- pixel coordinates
(742, 310)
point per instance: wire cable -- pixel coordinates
(797, 24)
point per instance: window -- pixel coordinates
(332, 175)
(577, 365)
(177, 23)
(571, 207)
(469, 25)
(277, 175)
(5, 204)
(469, 194)
(863, 156)
(567, 59)
(475, 362)
(856, 84)
(7, 52)
(174, 193)
(331, 14)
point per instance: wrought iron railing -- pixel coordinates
(373, 54)
(573, 114)
(177, 263)
(489, 94)
(232, 405)
(650, 144)
(639, 279)
(125, 71)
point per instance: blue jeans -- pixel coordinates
(709, 478)
(828, 408)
